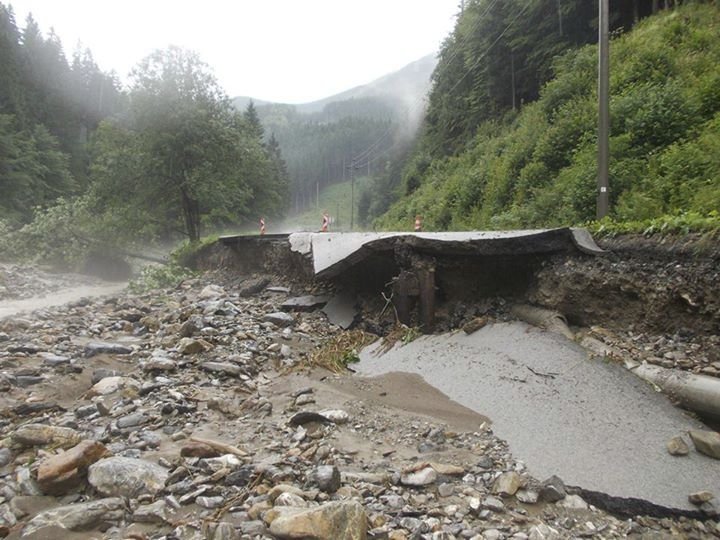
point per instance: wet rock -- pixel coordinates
(192, 346)
(157, 512)
(57, 474)
(110, 385)
(507, 484)
(98, 347)
(543, 532)
(575, 502)
(279, 318)
(226, 531)
(78, 517)
(552, 490)
(225, 368)
(190, 327)
(5, 456)
(527, 496)
(494, 504)
(200, 450)
(474, 325)
(42, 435)
(677, 447)
(327, 478)
(331, 521)
(336, 416)
(132, 420)
(253, 286)
(127, 477)
(211, 292)
(706, 442)
(700, 497)
(422, 477)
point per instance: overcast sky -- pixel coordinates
(289, 51)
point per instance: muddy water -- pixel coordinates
(592, 423)
(58, 298)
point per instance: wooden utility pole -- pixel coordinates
(604, 111)
(512, 78)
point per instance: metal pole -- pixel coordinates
(604, 111)
(352, 195)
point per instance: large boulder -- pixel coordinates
(76, 517)
(344, 520)
(127, 477)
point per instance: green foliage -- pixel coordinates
(538, 168)
(184, 254)
(183, 159)
(153, 277)
(681, 223)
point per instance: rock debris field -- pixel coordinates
(190, 414)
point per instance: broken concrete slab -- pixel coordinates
(332, 253)
(304, 303)
(341, 311)
(590, 422)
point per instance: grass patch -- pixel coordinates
(682, 223)
(339, 352)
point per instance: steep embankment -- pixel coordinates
(539, 168)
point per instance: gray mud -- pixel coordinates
(590, 422)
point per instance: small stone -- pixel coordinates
(327, 478)
(225, 531)
(446, 490)
(543, 532)
(552, 490)
(279, 318)
(700, 497)
(225, 368)
(210, 502)
(199, 450)
(706, 442)
(527, 496)
(157, 512)
(474, 325)
(677, 447)
(97, 347)
(574, 502)
(422, 477)
(507, 484)
(132, 420)
(336, 416)
(192, 346)
(494, 504)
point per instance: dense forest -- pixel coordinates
(86, 163)
(509, 139)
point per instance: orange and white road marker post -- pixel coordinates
(418, 224)
(325, 222)
(262, 226)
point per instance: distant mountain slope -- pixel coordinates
(405, 86)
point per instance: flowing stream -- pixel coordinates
(57, 298)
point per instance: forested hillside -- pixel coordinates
(48, 108)
(86, 165)
(360, 127)
(510, 136)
